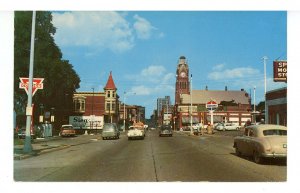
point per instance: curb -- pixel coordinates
(25, 156)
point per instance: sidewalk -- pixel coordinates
(42, 145)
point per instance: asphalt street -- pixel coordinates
(181, 158)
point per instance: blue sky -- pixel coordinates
(223, 48)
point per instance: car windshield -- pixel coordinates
(165, 128)
(108, 127)
(275, 132)
(67, 128)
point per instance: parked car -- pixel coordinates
(262, 141)
(136, 132)
(67, 131)
(227, 126)
(22, 133)
(110, 130)
(165, 130)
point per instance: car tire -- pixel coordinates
(257, 158)
(237, 152)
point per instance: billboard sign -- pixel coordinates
(280, 71)
(86, 122)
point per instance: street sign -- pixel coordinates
(37, 83)
(211, 105)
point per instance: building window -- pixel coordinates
(79, 104)
(113, 94)
(107, 108)
(113, 106)
(108, 94)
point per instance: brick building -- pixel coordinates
(277, 106)
(93, 109)
(234, 106)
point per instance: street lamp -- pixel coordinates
(265, 77)
(27, 143)
(125, 109)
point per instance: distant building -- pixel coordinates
(164, 110)
(234, 106)
(276, 102)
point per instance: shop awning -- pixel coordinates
(216, 118)
(188, 120)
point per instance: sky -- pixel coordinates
(223, 48)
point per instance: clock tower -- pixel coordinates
(182, 79)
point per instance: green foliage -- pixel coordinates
(261, 106)
(228, 103)
(60, 79)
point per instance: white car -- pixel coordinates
(136, 132)
(227, 126)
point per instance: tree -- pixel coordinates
(261, 106)
(60, 79)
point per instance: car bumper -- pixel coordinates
(274, 155)
(109, 135)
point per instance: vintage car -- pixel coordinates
(110, 130)
(227, 126)
(67, 131)
(165, 130)
(262, 141)
(136, 131)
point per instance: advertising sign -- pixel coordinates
(37, 84)
(211, 105)
(87, 122)
(280, 71)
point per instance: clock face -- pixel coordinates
(182, 74)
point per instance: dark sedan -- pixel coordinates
(166, 130)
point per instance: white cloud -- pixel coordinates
(142, 27)
(101, 30)
(218, 67)
(232, 73)
(155, 80)
(141, 90)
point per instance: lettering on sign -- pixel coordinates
(87, 122)
(280, 71)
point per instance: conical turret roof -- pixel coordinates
(110, 83)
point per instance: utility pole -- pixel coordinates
(254, 105)
(265, 77)
(93, 110)
(124, 113)
(27, 144)
(191, 111)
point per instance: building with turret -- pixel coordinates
(93, 109)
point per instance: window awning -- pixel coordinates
(216, 118)
(187, 119)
